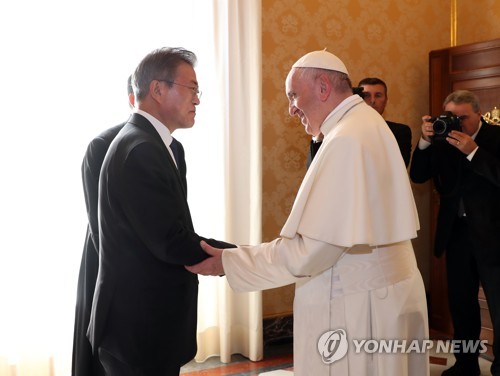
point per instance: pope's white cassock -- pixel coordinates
(346, 245)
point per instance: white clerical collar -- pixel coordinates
(338, 112)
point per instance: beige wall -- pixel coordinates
(477, 21)
(390, 39)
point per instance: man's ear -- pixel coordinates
(324, 87)
(155, 90)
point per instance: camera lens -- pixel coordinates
(439, 126)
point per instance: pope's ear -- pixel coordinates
(325, 87)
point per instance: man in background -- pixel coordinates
(84, 362)
(464, 163)
(375, 94)
(348, 252)
(144, 312)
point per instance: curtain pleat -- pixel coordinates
(236, 327)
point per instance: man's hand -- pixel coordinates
(211, 265)
(461, 141)
(427, 129)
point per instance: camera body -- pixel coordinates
(358, 90)
(444, 124)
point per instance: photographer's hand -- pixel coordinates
(427, 130)
(462, 142)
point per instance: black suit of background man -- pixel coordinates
(375, 94)
(84, 362)
(465, 169)
(402, 133)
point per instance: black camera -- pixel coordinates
(358, 90)
(444, 124)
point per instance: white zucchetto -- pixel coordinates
(321, 59)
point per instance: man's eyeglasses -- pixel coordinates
(195, 89)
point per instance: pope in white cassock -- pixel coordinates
(347, 242)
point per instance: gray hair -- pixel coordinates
(160, 64)
(463, 96)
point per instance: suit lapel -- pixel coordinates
(143, 123)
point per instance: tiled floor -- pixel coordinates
(278, 361)
(276, 356)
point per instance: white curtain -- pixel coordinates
(229, 322)
(64, 68)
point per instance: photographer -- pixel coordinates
(465, 167)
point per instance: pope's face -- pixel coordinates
(300, 90)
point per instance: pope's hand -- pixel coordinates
(210, 266)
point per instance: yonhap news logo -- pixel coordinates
(333, 345)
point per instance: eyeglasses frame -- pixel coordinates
(196, 91)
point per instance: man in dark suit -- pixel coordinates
(144, 312)
(84, 362)
(375, 94)
(465, 168)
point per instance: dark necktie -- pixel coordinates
(175, 151)
(181, 166)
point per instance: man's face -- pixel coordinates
(300, 90)
(178, 105)
(469, 120)
(375, 96)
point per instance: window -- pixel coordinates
(64, 69)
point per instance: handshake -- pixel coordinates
(211, 265)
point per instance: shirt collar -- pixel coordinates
(159, 126)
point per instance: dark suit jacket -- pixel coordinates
(145, 303)
(84, 363)
(476, 181)
(401, 132)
